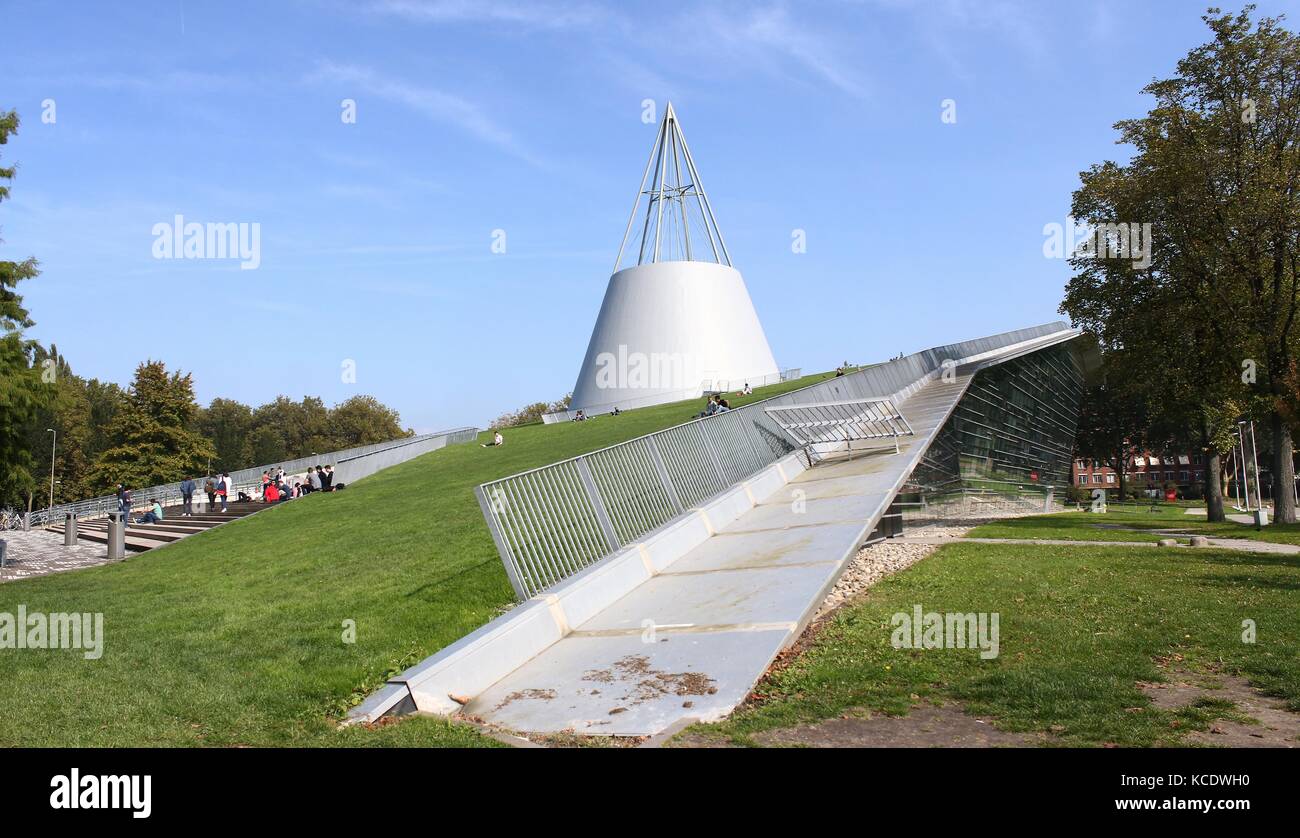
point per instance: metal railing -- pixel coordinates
(846, 421)
(707, 386)
(249, 480)
(551, 522)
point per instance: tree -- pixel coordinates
(152, 437)
(21, 391)
(1214, 178)
(1112, 421)
(228, 425)
(532, 413)
(66, 411)
(363, 420)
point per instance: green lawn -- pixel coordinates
(1130, 523)
(233, 637)
(1079, 627)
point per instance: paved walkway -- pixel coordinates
(692, 640)
(39, 552)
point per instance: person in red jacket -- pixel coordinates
(271, 494)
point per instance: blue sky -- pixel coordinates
(526, 117)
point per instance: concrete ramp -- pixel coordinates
(659, 578)
(692, 640)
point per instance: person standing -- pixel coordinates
(223, 490)
(210, 489)
(187, 497)
(124, 503)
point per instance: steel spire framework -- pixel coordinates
(679, 224)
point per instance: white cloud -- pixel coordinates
(530, 13)
(430, 102)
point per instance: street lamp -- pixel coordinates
(53, 447)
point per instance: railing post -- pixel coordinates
(597, 503)
(503, 548)
(664, 477)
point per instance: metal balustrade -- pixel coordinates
(250, 479)
(847, 421)
(552, 522)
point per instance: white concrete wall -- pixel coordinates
(694, 317)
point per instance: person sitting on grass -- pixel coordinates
(497, 440)
(271, 493)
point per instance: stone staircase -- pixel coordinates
(141, 537)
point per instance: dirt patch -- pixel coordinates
(539, 695)
(927, 726)
(642, 682)
(1276, 726)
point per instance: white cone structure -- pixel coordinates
(680, 321)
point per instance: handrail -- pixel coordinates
(553, 521)
(169, 494)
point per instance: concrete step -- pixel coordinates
(141, 537)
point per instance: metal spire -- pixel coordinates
(677, 203)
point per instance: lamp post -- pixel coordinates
(53, 448)
(1254, 459)
(1236, 483)
(1245, 472)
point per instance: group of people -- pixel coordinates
(278, 486)
(715, 404)
(125, 504)
(581, 415)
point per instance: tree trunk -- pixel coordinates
(1213, 488)
(1283, 471)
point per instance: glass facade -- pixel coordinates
(1013, 430)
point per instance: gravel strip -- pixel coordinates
(883, 558)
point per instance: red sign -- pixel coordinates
(1033, 475)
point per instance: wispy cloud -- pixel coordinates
(430, 102)
(773, 29)
(727, 38)
(529, 13)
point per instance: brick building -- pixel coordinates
(1148, 471)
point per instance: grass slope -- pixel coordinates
(234, 636)
(1079, 627)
